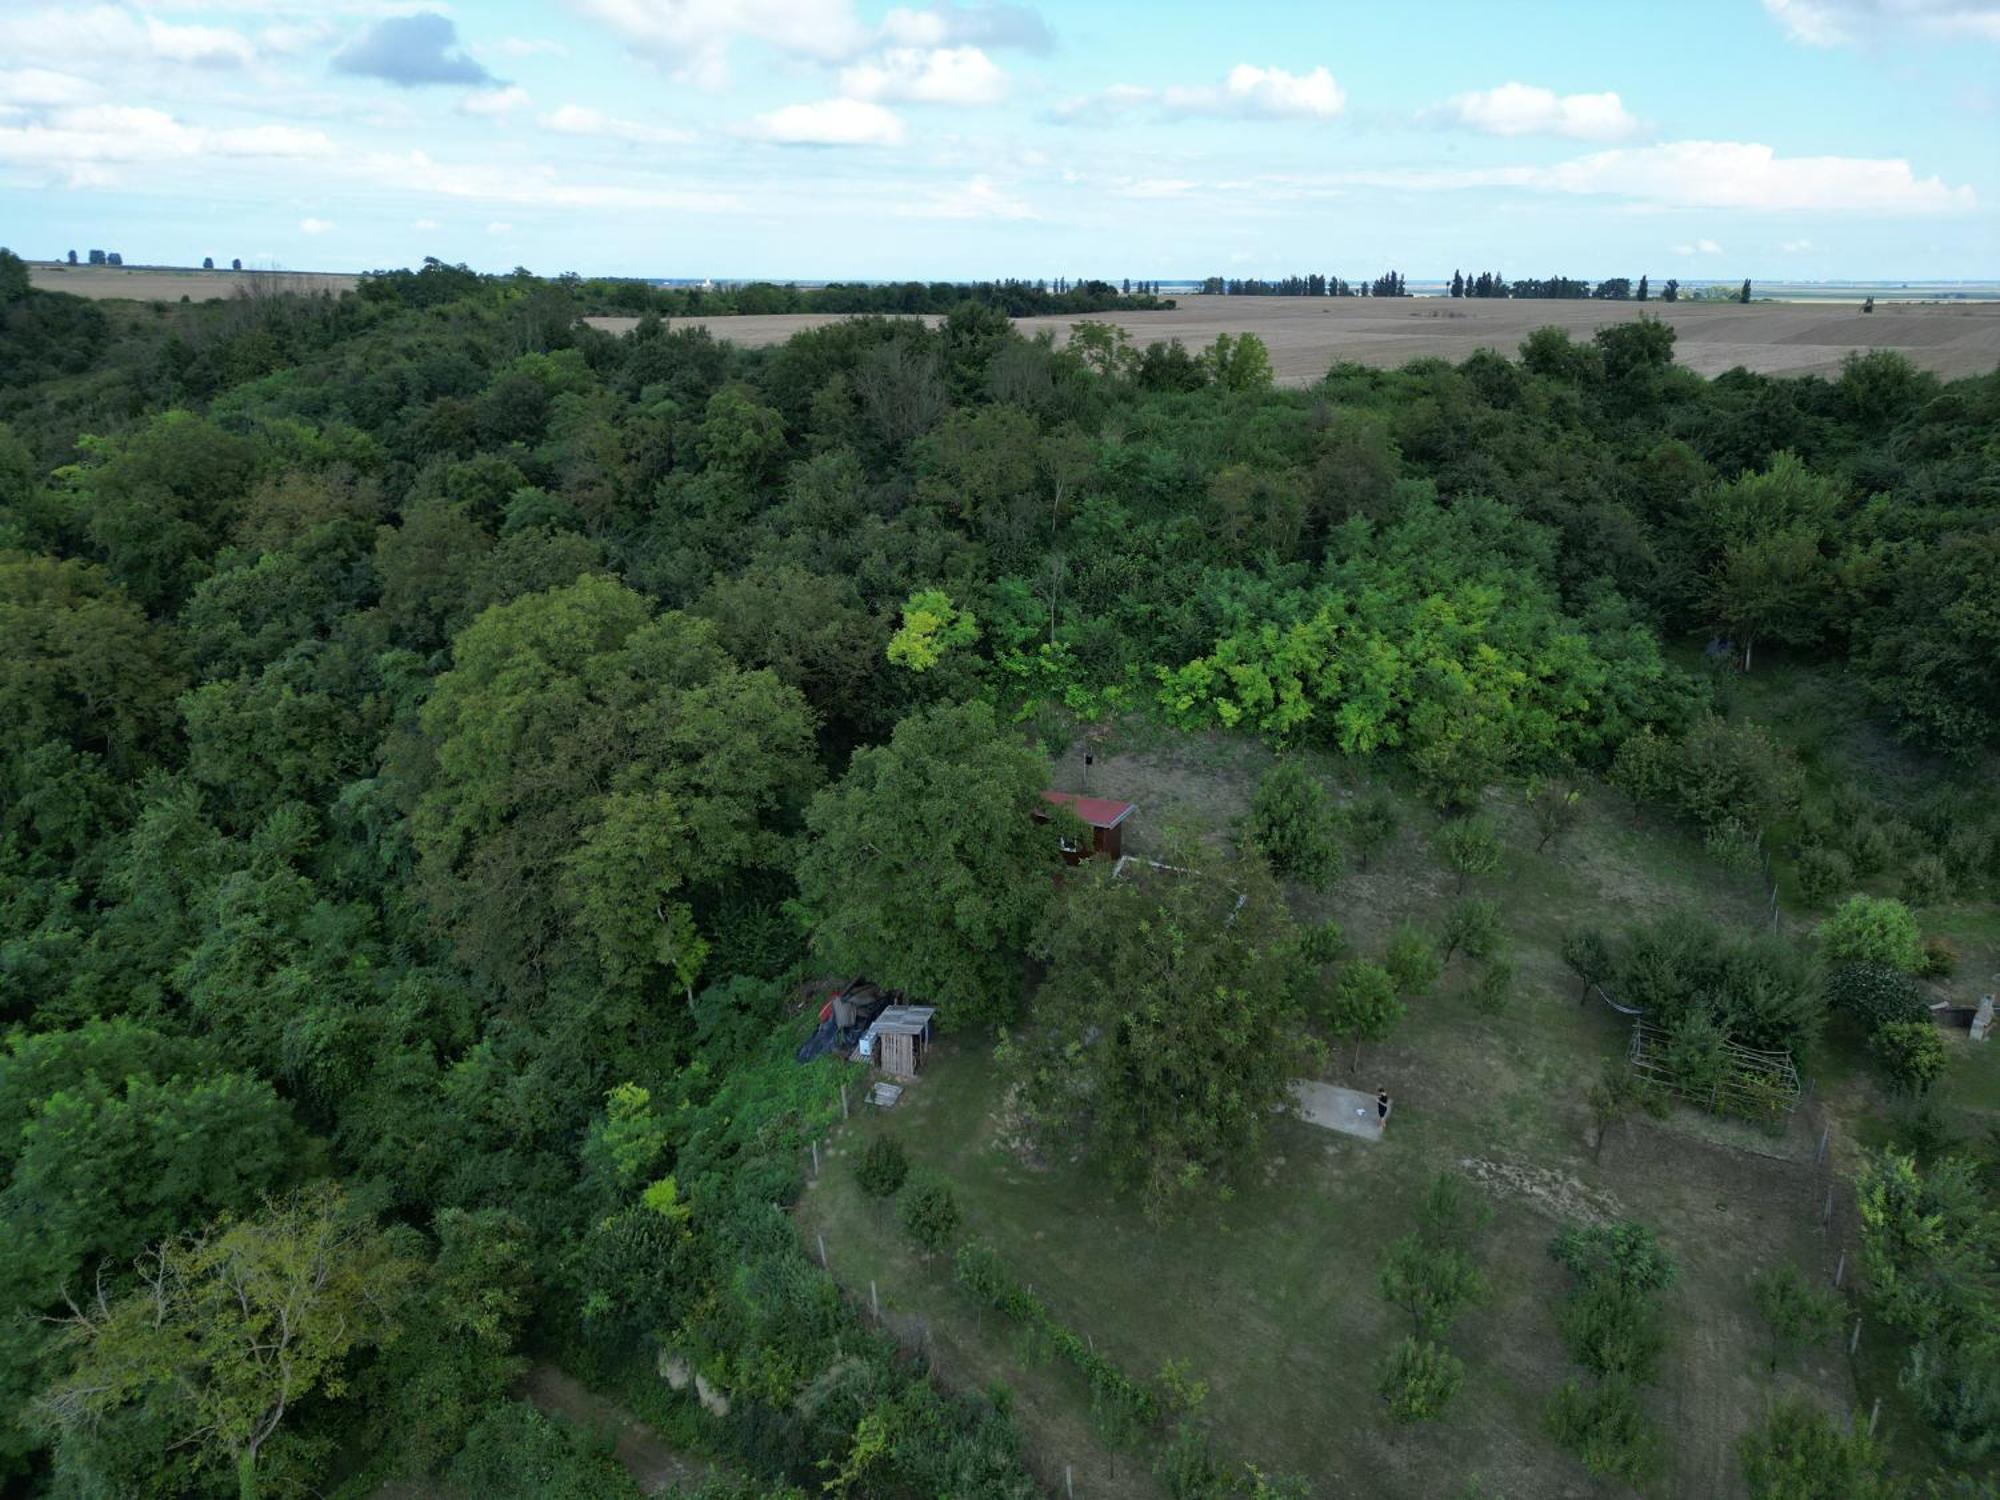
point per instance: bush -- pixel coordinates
(1604, 1427)
(1624, 1252)
(1824, 873)
(1471, 927)
(1800, 1313)
(929, 1211)
(1910, 1052)
(1470, 848)
(1418, 1380)
(1491, 991)
(1411, 961)
(1874, 995)
(1587, 955)
(1294, 822)
(1799, 1454)
(1613, 1329)
(1323, 944)
(1926, 880)
(883, 1167)
(1874, 930)
(1371, 823)
(1939, 959)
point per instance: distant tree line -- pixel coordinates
(1612, 289)
(1388, 284)
(1016, 298)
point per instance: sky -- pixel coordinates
(819, 139)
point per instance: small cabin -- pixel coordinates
(897, 1039)
(1102, 816)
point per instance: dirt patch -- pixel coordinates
(170, 284)
(1543, 1189)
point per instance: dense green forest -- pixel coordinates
(438, 739)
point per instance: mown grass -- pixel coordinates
(1272, 1294)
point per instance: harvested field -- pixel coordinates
(170, 284)
(1308, 334)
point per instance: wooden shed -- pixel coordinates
(1102, 816)
(897, 1040)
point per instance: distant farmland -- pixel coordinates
(1307, 334)
(170, 284)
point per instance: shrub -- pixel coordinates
(1910, 1052)
(1418, 1380)
(1799, 1454)
(1604, 1427)
(1555, 806)
(1800, 1313)
(929, 1211)
(1324, 944)
(1939, 959)
(1494, 986)
(883, 1167)
(1587, 954)
(1926, 880)
(1294, 822)
(1371, 823)
(1470, 848)
(1471, 927)
(1613, 1329)
(1824, 873)
(1624, 1252)
(1411, 961)
(1874, 995)
(1872, 929)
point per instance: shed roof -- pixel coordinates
(1098, 812)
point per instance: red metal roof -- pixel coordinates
(1098, 812)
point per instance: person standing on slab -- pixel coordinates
(1381, 1108)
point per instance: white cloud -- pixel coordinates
(977, 198)
(578, 119)
(938, 75)
(528, 46)
(1522, 109)
(424, 224)
(40, 87)
(121, 134)
(988, 25)
(1841, 23)
(693, 37)
(1155, 187)
(1794, 247)
(1699, 247)
(314, 226)
(1703, 174)
(829, 122)
(528, 185)
(499, 226)
(1249, 92)
(495, 102)
(64, 35)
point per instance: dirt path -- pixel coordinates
(654, 1466)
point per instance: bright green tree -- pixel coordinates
(1800, 1454)
(1799, 1313)
(1418, 1380)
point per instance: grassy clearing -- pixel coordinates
(1272, 1296)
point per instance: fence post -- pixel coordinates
(1840, 1270)
(843, 1101)
(1873, 1415)
(822, 1253)
(874, 1302)
(1855, 1342)
(1069, 1481)
(815, 1146)
(1826, 1214)
(1820, 1155)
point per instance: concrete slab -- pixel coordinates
(1332, 1107)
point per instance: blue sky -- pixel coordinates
(823, 138)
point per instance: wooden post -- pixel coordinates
(822, 1253)
(1069, 1481)
(1855, 1342)
(815, 1146)
(1874, 1415)
(1826, 1214)
(1840, 1270)
(874, 1302)
(843, 1101)
(1820, 1155)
